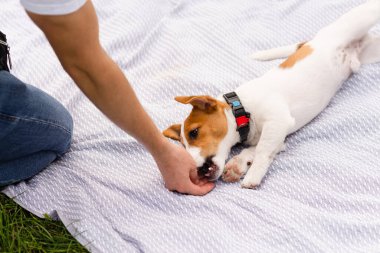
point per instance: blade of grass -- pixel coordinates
(21, 231)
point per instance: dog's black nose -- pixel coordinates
(202, 171)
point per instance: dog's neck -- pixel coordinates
(232, 136)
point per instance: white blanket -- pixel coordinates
(321, 195)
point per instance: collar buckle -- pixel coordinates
(242, 121)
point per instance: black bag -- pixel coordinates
(4, 53)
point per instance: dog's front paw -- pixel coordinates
(251, 180)
(235, 169)
(250, 184)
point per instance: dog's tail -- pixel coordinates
(276, 53)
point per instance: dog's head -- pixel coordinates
(204, 134)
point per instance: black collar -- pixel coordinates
(241, 116)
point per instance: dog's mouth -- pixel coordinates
(208, 169)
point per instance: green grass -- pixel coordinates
(21, 231)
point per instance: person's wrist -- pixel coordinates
(159, 146)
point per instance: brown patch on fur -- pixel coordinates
(212, 124)
(302, 52)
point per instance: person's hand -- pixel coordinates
(180, 172)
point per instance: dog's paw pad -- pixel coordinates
(233, 171)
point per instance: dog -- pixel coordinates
(262, 112)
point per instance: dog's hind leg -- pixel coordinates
(371, 50)
(352, 26)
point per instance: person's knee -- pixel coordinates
(69, 127)
(10, 85)
(60, 128)
(64, 140)
(54, 113)
(36, 110)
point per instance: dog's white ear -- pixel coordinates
(201, 102)
(173, 132)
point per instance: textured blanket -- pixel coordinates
(321, 195)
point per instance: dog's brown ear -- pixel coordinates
(173, 132)
(201, 102)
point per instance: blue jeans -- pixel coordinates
(35, 130)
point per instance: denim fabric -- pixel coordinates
(35, 129)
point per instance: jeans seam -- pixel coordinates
(44, 122)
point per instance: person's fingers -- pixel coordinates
(194, 175)
(202, 181)
(196, 179)
(198, 190)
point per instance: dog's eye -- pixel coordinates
(193, 134)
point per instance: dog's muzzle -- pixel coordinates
(208, 168)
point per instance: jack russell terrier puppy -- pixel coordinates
(262, 112)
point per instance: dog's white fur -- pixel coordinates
(285, 99)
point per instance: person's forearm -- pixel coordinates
(106, 86)
(75, 40)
